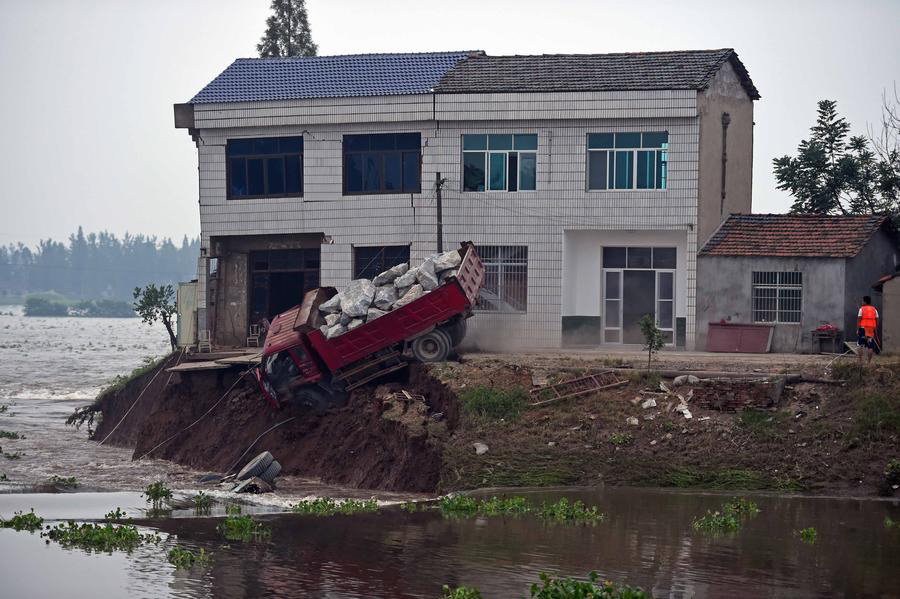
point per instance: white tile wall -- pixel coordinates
(536, 219)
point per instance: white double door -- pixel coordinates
(629, 294)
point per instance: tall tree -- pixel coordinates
(836, 173)
(287, 31)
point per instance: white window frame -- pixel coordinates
(611, 164)
(487, 164)
(779, 287)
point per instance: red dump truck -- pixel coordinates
(300, 364)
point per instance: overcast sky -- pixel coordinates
(87, 87)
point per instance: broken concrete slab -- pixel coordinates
(414, 293)
(446, 261)
(390, 274)
(357, 297)
(650, 403)
(407, 279)
(385, 296)
(426, 276)
(331, 306)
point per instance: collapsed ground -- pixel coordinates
(815, 437)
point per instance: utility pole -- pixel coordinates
(438, 182)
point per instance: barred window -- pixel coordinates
(777, 297)
(368, 262)
(506, 278)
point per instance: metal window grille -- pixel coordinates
(777, 297)
(371, 261)
(506, 278)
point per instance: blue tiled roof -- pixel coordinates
(259, 79)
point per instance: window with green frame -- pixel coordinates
(627, 160)
(499, 162)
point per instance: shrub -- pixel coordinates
(69, 482)
(182, 557)
(117, 514)
(243, 528)
(21, 521)
(808, 535)
(157, 493)
(460, 593)
(202, 503)
(486, 402)
(570, 588)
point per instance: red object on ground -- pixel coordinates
(739, 338)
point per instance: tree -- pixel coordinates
(653, 337)
(287, 31)
(157, 303)
(836, 173)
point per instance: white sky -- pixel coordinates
(87, 87)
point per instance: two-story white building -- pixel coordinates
(587, 182)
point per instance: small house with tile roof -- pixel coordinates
(793, 273)
(586, 181)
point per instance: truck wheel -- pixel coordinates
(256, 466)
(456, 331)
(432, 347)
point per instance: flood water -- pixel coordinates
(55, 365)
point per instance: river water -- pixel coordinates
(52, 366)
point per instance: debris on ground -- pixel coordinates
(480, 448)
(253, 485)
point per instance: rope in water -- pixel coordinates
(204, 415)
(141, 394)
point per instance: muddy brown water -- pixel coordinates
(55, 365)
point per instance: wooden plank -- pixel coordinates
(198, 366)
(247, 359)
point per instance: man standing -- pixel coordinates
(867, 321)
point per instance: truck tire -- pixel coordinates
(271, 472)
(256, 466)
(433, 346)
(456, 331)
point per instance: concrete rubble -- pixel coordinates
(364, 300)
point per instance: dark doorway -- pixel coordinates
(279, 279)
(639, 288)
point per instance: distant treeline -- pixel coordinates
(104, 308)
(95, 266)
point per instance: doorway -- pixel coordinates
(638, 281)
(279, 279)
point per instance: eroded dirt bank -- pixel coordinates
(376, 441)
(742, 434)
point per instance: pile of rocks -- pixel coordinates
(364, 300)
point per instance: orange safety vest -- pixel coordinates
(868, 321)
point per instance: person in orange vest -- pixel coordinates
(867, 321)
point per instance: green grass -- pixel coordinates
(892, 471)
(762, 425)
(729, 518)
(99, 537)
(182, 557)
(570, 513)
(22, 521)
(570, 588)
(722, 480)
(158, 494)
(877, 417)
(489, 403)
(326, 506)
(10, 435)
(460, 593)
(411, 507)
(647, 378)
(808, 535)
(69, 482)
(620, 439)
(243, 528)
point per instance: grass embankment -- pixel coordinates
(837, 438)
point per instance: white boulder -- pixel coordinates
(374, 313)
(357, 297)
(407, 279)
(414, 293)
(385, 296)
(331, 306)
(332, 319)
(355, 323)
(336, 330)
(446, 261)
(426, 275)
(390, 274)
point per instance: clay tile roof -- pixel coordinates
(798, 235)
(682, 69)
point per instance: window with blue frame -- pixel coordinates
(382, 163)
(264, 167)
(627, 160)
(499, 162)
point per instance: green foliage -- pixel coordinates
(728, 518)
(154, 303)
(326, 506)
(202, 503)
(233, 509)
(762, 425)
(877, 417)
(570, 513)
(99, 537)
(808, 535)
(465, 506)
(117, 514)
(22, 521)
(69, 482)
(38, 306)
(287, 31)
(891, 523)
(570, 588)
(726, 480)
(13, 456)
(243, 528)
(892, 472)
(410, 506)
(3, 478)
(832, 174)
(10, 435)
(620, 439)
(103, 308)
(157, 493)
(487, 402)
(460, 593)
(182, 557)
(653, 337)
